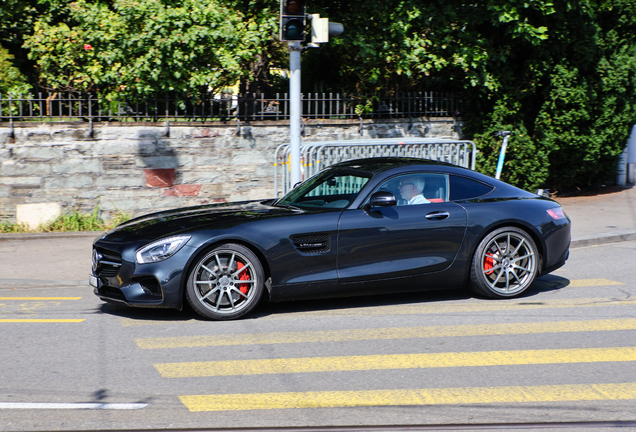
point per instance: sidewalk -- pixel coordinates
(60, 259)
(65, 258)
(601, 216)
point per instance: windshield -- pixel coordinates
(333, 188)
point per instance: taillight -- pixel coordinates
(556, 213)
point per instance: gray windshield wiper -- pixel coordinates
(289, 206)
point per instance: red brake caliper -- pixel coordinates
(244, 276)
(489, 263)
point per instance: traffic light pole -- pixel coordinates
(292, 29)
(294, 109)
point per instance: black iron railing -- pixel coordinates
(54, 107)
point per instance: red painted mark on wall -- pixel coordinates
(183, 190)
(159, 177)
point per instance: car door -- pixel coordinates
(306, 251)
(401, 240)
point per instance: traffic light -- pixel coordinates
(322, 30)
(292, 20)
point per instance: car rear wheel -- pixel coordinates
(225, 283)
(505, 263)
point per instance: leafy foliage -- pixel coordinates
(406, 44)
(12, 81)
(525, 161)
(70, 220)
(560, 74)
(17, 19)
(139, 47)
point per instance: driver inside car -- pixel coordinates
(411, 190)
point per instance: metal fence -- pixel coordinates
(86, 107)
(316, 156)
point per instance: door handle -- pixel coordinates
(437, 215)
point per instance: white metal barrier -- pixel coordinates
(315, 156)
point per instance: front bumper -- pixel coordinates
(115, 278)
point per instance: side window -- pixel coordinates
(418, 188)
(334, 192)
(462, 188)
(339, 185)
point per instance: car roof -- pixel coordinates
(396, 165)
(381, 164)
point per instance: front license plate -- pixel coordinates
(92, 280)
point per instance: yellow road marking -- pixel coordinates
(394, 361)
(41, 320)
(387, 333)
(40, 298)
(466, 395)
(592, 282)
(473, 306)
(441, 307)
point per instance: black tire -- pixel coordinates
(505, 264)
(225, 283)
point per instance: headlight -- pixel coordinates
(161, 250)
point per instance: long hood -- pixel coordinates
(183, 220)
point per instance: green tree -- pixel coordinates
(17, 19)
(560, 74)
(260, 37)
(589, 105)
(400, 45)
(139, 47)
(12, 81)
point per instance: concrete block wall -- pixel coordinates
(140, 168)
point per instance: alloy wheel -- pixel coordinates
(508, 263)
(225, 281)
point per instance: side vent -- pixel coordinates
(110, 292)
(311, 243)
(150, 285)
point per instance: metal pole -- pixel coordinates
(294, 110)
(502, 153)
(90, 116)
(621, 171)
(631, 157)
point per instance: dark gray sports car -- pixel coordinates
(359, 227)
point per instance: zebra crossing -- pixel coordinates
(204, 365)
(446, 396)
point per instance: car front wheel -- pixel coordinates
(505, 263)
(225, 283)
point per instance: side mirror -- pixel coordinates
(382, 199)
(544, 193)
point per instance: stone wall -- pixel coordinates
(139, 168)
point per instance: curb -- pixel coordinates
(42, 283)
(53, 235)
(597, 239)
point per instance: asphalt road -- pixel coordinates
(565, 352)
